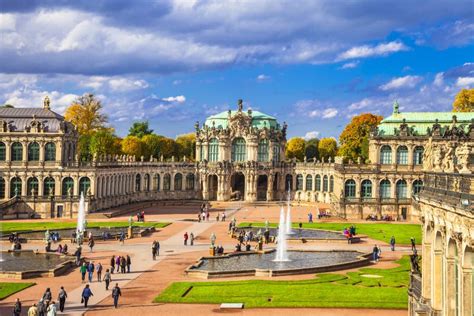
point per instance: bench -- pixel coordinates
(232, 306)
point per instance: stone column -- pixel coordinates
(205, 150)
(172, 182)
(59, 151)
(41, 152)
(25, 152)
(198, 150)
(8, 151)
(23, 185)
(7, 186)
(76, 185)
(205, 192)
(252, 150)
(426, 264)
(437, 281)
(467, 304)
(40, 186)
(450, 298)
(270, 150)
(270, 187)
(410, 155)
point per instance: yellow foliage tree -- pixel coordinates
(295, 148)
(186, 145)
(464, 101)
(132, 145)
(327, 147)
(85, 114)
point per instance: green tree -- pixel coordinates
(311, 148)
(84, 144)
(295, 148)
(85, 114)
(104, 142)
(152, 143)
(140, 129)
(354, 139)
(186, 145)
(327, 147)
(132, 145)
(464, 101)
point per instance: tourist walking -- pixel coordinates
(47, 296)
(90, 270)
(112, 263)
(122, 238)
(91, 243)
(223, 216)
(392, 243)
(310, 217)
(41, 307)
(77, 254)
(107, 279)
(191, 239)
(129, 262)
(117, 263)
(375, 253)
(98, 269)
(17, 308)
(33, 310)
(52, 309)
(116, 293)
(186, 238)
(83, 270)
(62, 295)
(153, 250)
(86, 294)
(413, 246)
(123, 264)
(157, 248)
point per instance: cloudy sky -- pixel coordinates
(313, 64)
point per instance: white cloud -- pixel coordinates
(7, 22)
(312, 134)
(123, 84)
(350, 65)
(400, 83)
(365, 51)
(364, 103)
(178, 99)
(465, 81)
(439, 79)
(263, 77)
(177, 82)
(329, 113)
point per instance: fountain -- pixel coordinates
(281, 252)
(288, 215)
(81, 220)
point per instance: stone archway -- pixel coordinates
(212, 187)
(262, 187)
(237, 182)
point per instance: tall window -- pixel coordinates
(276, 152)
(350, 189)
(15, 187)
(17, 152)
(84, 185)
(138, 183)
(331, 184)
(157, 182)
(2, 188)
(385, 188)
(288, 182)
(385, 155)
(418, 155)
(366, 189)
(178, 182)
(190, 182)
(318, 183)
(402, 155)
(166, 182)
(401, 189)
(417, 186)
(67, 189)
(325, 183)
(146, 180)
(263, 150)
(309, 182)
(213, 149)
(50, 152)
(32, 186)
(33, 152)
(299, 182)
(3, 152)
(238, 150)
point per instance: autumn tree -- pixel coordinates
(311, 148)
(327, 147)
(354, 139)
(104, 142)
(140, 129)
(295, 148)
(464, 101)
(186, 145)
(85, 114)
(134, 146)
(152, 143)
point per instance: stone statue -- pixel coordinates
(437, 158)
(448, 161)
(88, 192)
(462, 154)
(46, 103)
(240, 105)
(427, 155)
(130, 221)
(69, 191)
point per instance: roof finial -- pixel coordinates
(240, 104)
(396, 109)
(46, 103)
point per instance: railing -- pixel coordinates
(451, 189)
(415, 285)
(367, 200)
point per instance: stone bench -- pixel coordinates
(232, 306)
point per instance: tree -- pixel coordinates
(132, 145)
(140, 129)
(186, 145)
(354, 139)
(327, 147)
(295, 148)
(152, 143)
(311, 150)
(85, 114)
(464, 101)
(104, 142)
(84, 144)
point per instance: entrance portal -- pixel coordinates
(262, 186)
(212, 187)
(237, 182)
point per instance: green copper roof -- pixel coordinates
(419, 122)
(259, 120)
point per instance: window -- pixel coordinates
(366, 189)
(17, 152)
(213, 149)
(15, 187)
(263, 150)
(401, 189)
(276, 152)
(3, 152)
(2, 188)
(418, 155)
(402, 155)
(385, 189)
(299, 182)
(178, 182)
(288, 182)
(331, 184)
(309, 182)
(48, 186)
(157, 182)
(146, 179)
(190, 182)
(50, 152)
(238, 150)
(385, 155)
(33, 152)
(32, 186)
(166, 182)
(138, 183)
(350, 189)
(417, 186)
(84, 185)
(67, 187)
(318, 183)
(325, 183)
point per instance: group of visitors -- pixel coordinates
(232, 225)
(349, 233)
(89, 269)
(87, 294)
(141, 216)
(376, 253)
(189, 237)
(16, 245)
(45, 306)
(122, 263)
(62, 249)
(155, 249)
(222, 217)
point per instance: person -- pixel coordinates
(78, 255)
(191, 239)
(223, 216)
(98, 269)
(199, 217)
(47, 296)
(217, 217)
(116, 293)
(52, 309)
(33, 310)
(379, 252)
(157, 248)
(186, 238)
(91, 243)
(123, 264)
(112, 263)
(413, 246)
(17, 308)
(41, 307)
(300, 225)
(153, 249)
(207, 216)
(117, 262)
(65, 249)
(62, 295)
(86, 294)
(143, 216)
(310, 217)
(90, 270)
(122, 238)
(129, 262)
(213, 239)
(60, 249)
(392, 243)
(107, 279)
(375, 253)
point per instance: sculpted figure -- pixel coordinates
(462, 154)
(437, 158)
(427, 155)
(448, 161)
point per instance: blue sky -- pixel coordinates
(313, 64)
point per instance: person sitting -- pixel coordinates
(247, 247)
(352, 230)
(238, 247)
(65, 249)
(60, 249)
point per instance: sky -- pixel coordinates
(311, 63)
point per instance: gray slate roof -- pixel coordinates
(20, 118)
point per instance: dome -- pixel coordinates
(259, 120)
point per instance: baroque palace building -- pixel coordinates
(240, 155)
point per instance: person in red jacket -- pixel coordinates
(186, 238)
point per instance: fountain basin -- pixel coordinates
(24, 264)
(261, 263)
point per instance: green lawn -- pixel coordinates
(351, 290)
(377, 231)
(9, 227)
(7, 289)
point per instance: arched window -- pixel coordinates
(331, 184)
(3, 152)
(15, 187)
(309, 182)
(50, 152)
(238, 150)
(33, 151)
(138, 183)
(178, 182)
(17, 152)
(366, 189)
(157, 181)
(402, 155)
(263, 150)
(318, 183)
(385, 188)
(288, 182)
(67, 188)
(299, 182)
(2, 188)
(32, 186)
(146, 180)
(213, 149)
(350, 189)
(84, 185)
(325, 183)
(418, 155)
(48, 186)
(190, 182)
(385, 155)
(417, 186)
(401, 189)
(166, 182)
(276, 152)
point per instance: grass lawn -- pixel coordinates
(9, 227)
(377, 231)
(7, 289)
(351, 290)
